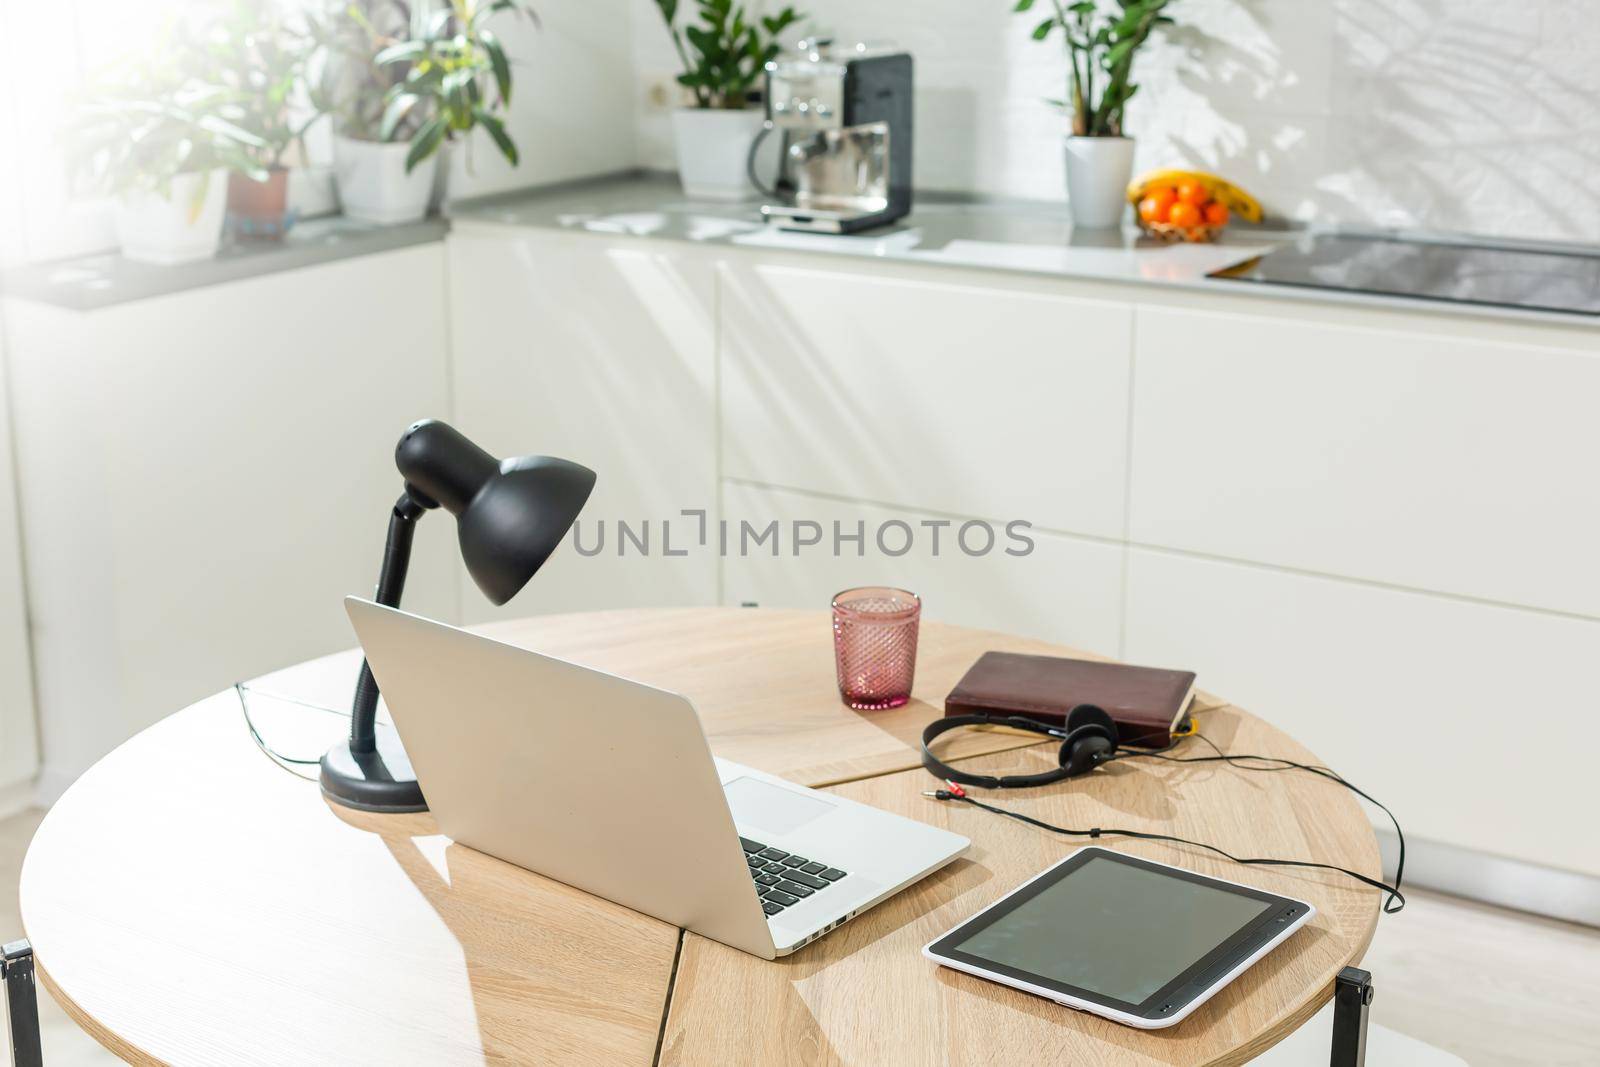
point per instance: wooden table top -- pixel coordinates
(865, 995)
(192, 902)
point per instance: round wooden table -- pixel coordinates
(191, 900)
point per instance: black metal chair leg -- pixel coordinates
(22, 1003)
(1352, 1000)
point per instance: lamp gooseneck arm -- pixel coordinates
(391, 583)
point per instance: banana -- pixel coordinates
(1238, 202)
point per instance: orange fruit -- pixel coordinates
(1193, 193)
(1154, 207)
(1216, 214)
(1184, 215)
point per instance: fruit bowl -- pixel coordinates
(1166, 231)
(1186, 205)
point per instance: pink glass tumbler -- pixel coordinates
(875, 645)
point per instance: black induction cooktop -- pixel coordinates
(1457, 273)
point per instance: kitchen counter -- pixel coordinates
(1027, 236)
(90, 283)
(1020, 236)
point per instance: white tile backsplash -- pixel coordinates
(1466, 115)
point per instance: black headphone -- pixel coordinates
(1088, 740)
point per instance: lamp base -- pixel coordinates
(381, 781)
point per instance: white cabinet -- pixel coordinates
(1419, 456)
(1049, 586)
(192, 510)
(19, 743)
(1001, 400)
(603, 353)
(204, 476)
(1470, 721)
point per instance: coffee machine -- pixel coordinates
(843, 117)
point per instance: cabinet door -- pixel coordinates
(205, 476)
(1056, 588)
(1430, 460)
(914, 392)
(601, 353)
(1470, 721)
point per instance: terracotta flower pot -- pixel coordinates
(259, 210)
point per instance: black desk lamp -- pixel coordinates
(510, 515)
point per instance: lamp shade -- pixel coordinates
(510, 514)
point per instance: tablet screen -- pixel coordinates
(1115, 929)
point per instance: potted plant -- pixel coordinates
(155, 139)
(723, 56)
(452, 76)
(388, 70)
(259, 57)
(1100, 48)
(353, 89)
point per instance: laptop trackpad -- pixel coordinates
(762, 806)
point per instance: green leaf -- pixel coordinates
(399, 107)
(405, 51)
(497, 132)
(455, 90)
(439, 23)
(1023, 5)
(1041, 31)
(197, 199)
(425, 142)
(499, 63)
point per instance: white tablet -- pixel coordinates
(1136, 941)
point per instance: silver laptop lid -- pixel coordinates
(600, 782)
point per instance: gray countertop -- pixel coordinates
(1026, 236)
(92, 282)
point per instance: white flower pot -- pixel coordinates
(714, 151)
(1098, 170)
(373, 183)
(182, 227)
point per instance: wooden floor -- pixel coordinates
(1495, 987)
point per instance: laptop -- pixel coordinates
(608, 785)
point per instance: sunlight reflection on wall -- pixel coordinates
(1441, 114)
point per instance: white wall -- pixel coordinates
(1442, 114)
(572, 100)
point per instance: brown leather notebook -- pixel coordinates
(1147, 703)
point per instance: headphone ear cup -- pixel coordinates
(1091, 738)
(1091, 715)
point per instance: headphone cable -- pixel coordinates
(1392, 905)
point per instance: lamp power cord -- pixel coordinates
(291, 764)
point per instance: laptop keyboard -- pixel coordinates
(783, 878)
